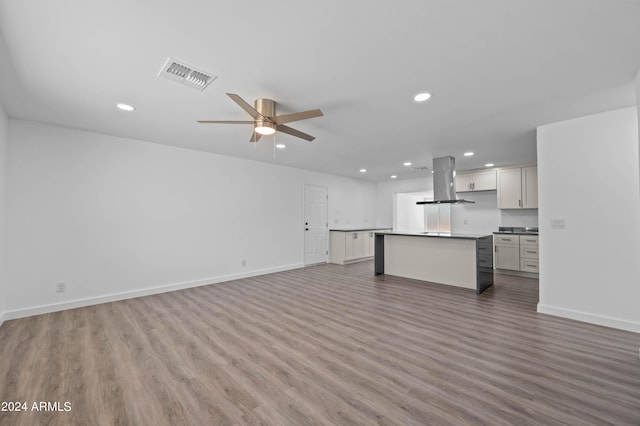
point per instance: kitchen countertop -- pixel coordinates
(516, 233)
(358, 229)
(439, 235)
(517, 230)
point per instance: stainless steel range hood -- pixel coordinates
(444, 184)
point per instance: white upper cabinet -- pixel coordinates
(463, 182)
(518, 188)
(510, 189)
(530, 187)
(484, 180)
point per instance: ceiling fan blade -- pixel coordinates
(245, 106)
(296, 116)
(225, 122)
(293, 132)
(255, 137)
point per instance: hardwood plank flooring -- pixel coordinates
(325, 345)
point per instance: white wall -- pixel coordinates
(638, 108)
(385, 196)
(4, 142)
(409, 216)
(588, 177)
(115, 217)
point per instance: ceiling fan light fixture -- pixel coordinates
(265, 128)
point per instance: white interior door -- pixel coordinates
(315, 224)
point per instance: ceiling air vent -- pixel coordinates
(186, 74)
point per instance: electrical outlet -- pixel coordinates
(557, 224)
(244, 262)
(61, 287)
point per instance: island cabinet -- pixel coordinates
(352, 245)
(458, 260)
(483, 180)
(518, 188)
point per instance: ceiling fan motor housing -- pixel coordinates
(266, 107)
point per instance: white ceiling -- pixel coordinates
(496, 69)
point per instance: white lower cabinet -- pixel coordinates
(352, 246)
(529, 256)
(507, 252)
(369, 243)
(516, 252)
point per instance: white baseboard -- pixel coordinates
(590, 318)
(79, 303)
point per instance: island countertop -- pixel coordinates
(439, 235)
(359, 229)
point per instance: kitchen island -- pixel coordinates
(460, 260)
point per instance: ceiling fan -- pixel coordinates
(265, 121)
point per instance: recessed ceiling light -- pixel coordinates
(489, 165)
(406, 164)
(281, 146)
(125, 107)
(421, 97)
(393, 176)
(468, 154)
(363, 170)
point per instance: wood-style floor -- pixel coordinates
(330, 345)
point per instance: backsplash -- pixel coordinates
(484, 216)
